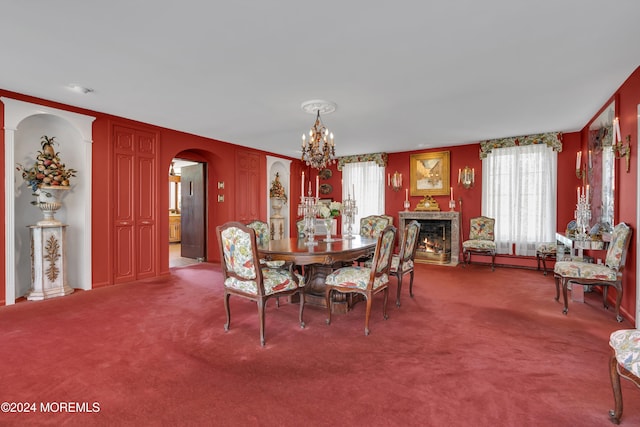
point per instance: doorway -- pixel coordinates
(176, 258)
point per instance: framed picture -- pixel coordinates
(430, 174)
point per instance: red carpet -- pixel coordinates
(474, 348)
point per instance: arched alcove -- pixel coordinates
(283, 168)
(25, 124)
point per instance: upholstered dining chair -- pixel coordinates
(261, 228)
(481, 240)
(245, 277)
(372, 225)
(365, 281)
(625, 363)
(402, 263)
(300, 228)
(605, 275)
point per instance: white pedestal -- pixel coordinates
(277, 227)
(48, 262)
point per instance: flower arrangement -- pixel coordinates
(277, 189)
(331, 211)
(47, 170)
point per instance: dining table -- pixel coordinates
(318, 260)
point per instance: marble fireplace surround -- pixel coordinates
(425, 216)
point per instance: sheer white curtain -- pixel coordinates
(519, 187)
(366, 179)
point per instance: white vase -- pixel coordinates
(49, 200)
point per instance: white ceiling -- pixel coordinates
(405, 75)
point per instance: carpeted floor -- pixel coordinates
(473, 348)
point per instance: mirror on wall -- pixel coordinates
(600, 168)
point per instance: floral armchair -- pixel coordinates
(245, 277)
(605, 275)
(263, 235)
(402, 263)
(481, 240)
(624, 362)
(366, 281)
(372, 225)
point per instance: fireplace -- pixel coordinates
(439, 238)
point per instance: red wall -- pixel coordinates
(220, 157)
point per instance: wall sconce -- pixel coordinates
(623, 150)
(395, 181)
(580, 172)
(467, 177)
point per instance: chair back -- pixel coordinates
(382, 256)
(617, 252)
(262, 231)
(239, 256)
(482, 228)
(372, 225)
(409, 242)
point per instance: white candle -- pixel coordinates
(406, 194)
(317, 185)
(389, 179)
(451, 191)
(302, 185)
(354, 191)
(578, 158)
(618, 139)
(587, 192)
(578, 193)
(590, 163)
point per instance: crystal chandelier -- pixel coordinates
(319, 151)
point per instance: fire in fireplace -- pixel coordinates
(434, 242)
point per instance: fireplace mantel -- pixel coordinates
(424, 216)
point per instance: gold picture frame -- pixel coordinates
(430, 174)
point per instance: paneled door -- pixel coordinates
(134, 204)
(247, 199)
(193, 210)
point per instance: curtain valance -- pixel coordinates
(551, 139)
(380, 158)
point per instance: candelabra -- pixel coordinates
(583, 216)
(349, 210)
(308, 209)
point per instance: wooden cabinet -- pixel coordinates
(174, 228)
(134, 204)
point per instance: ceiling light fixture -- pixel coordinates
(320, 150)
(80, 89)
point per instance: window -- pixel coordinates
(519, 189)
(363, 181)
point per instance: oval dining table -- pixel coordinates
(318, 260)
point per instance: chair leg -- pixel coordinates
(544, 265)
(538, 260)
(261, 304)
(618, 301)
(399, 276)
(385, 316)
(367, 314)
(565, 285)
(327, 298)
(226, 309)
(615, 414)
(557, 279)
(493, 261)
(301, 296)
(411, 284)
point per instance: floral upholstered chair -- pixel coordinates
(544, 251)
(366, 281)
(402, 263)
(372, 225)
(263, 235)
(300, 228)
(609, 274)
(245, 277)
(481, 240)
(624, 362)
